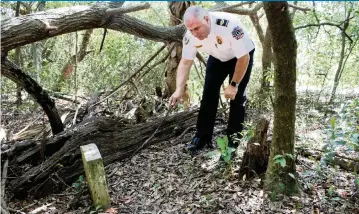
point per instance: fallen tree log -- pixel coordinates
(346, 163)
(115, 140)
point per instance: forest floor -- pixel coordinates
(164, 179)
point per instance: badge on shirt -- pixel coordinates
(186, 40)
(222, 22)
(198, 46)
(237, 33)
(219, 40)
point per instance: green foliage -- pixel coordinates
(224, 150)
(78, 184)
(343, 130)
(280, 159)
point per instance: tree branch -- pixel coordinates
(122, 10)
(18, 31)
(322, 24)
(304, 9)
(11, 71)
(240, 11)
(128, 79)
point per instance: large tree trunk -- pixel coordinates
(177, 10)
(115, 140)
(11, 71)
(278, 178)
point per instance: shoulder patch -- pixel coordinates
(186, 40)
(237, 33)
(222, 22)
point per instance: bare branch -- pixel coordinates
(323, 24)
(299, 8)
(128, 79)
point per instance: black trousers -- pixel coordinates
(216, 73)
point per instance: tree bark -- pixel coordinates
(255, 158)
(11, 71)
(279, 179)
(177, 10)
(34, 27)
(17, 60)
(115, 140)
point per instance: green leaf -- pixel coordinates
(227, 158)
(278, 156)
(81, 178)
(281, 161)
(76, 185)
(221, 144)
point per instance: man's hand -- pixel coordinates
(230, 92)
(175, 98)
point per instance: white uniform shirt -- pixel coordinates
(227, 39)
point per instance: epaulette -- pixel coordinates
(222, 22)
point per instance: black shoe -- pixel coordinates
(198, 144)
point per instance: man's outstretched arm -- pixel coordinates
(183, 70)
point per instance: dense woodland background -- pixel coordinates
(79, 69)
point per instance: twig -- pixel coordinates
(157, 63)
(128, 79)
(184, 132)
(103, 38)
(28, 206)
(41, 209)
(155, 132)
(76, 112)
(24, 129)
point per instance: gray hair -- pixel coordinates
(196, 11)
